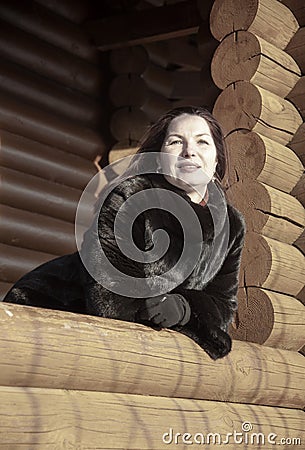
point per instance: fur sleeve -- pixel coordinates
(216, 303)
(100, 300)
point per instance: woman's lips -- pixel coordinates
(188, 167)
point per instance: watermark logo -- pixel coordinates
(109, 184)
(245, 436)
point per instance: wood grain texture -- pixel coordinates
(297, 144)
(253, 156)
(268, 211)
(49, 419)
(296, 48)
(298, 9)
(243, 105)
(53, 349)
(263, 18)
(269, 318)
(281, 266)
(244, 56)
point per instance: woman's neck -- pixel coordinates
(197, 197)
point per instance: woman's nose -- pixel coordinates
(187, 150)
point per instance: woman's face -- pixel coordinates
(188, 154)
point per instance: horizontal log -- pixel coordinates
(46, 127)
(281, 266)
(301, 294)
(244, 105)
(299, 190)
(296, 48)
(158, 79)
(129, 60)
(33, 88)
(128, 90)
(177, 52)
(36, 232)
(297, 144)
(34, 158)
(174, 84)
(182, 52)
(268, 211)
(297, 95)
(122, 149)
(45, 59)
(4, 288)
(300, 243)
(49, 27)
(298, 9)
(244, 56)
(155, 105)
(148, 25)
(269, 318)
(35, 194)
(85, 419)
(264, 18)
(254, 156)
(128, 123)
(131, 355)
(15, 261)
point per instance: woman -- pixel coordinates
(149, 281)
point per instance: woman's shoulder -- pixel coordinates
(129, 186)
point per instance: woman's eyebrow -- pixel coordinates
(175, 134)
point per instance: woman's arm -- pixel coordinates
(214, 306)
(163, 310)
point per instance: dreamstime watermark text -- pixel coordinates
(245, 436)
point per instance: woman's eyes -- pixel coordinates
(176, 142)
(180, 142)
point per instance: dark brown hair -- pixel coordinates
(154, 138)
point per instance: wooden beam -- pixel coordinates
(47, 419)
(56, 349)
(141, 27)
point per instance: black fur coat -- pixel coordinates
(210, 288)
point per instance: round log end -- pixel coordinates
(228, 16)
(255, 319)
(247, 155)
(236, 58)
(238, 107)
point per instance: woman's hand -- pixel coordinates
(165, 310)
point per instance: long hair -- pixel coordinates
(154, 137)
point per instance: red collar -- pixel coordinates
(204, 201)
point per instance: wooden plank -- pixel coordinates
(56, 349)
(149, 25)
(46, 419)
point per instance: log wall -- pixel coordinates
(93, 375)
(51, 129)
(260, 72)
